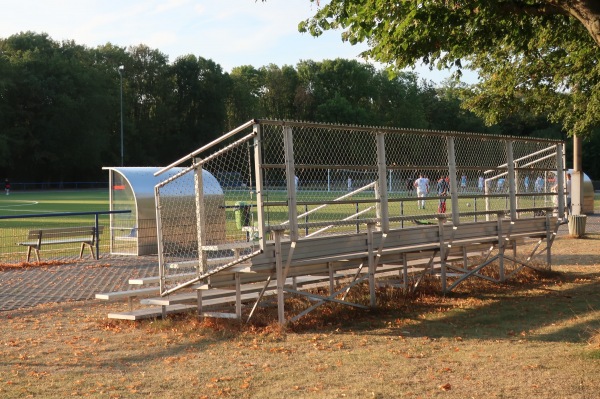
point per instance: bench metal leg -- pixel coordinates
(37, 253)
(83, 244)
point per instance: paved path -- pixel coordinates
(21, 288)
(82, 280)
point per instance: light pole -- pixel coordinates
(121, 69)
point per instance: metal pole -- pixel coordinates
(291, 187)
(200, 219)
(512, 187)
(560, 181)
(453, 187)
(96, 227)
(121, 69)
(382, 192)
(258, 184)
(577, 178)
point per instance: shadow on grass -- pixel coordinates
(548, 307)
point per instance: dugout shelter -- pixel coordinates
(132, 188)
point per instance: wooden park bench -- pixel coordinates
(37, 238)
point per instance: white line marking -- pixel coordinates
(27, 203)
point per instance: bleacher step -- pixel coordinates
(150, 313)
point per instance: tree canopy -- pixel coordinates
(60, 105)
(538, 55)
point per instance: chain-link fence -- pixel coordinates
(319, 179)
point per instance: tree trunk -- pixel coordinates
(587, 12)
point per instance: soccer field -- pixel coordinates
(31, 203)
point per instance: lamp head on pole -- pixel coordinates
(121, 69)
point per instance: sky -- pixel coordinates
(229, 32)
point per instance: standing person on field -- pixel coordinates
(7, 186)
(442, 190)
(480, 183)
(422, 186)
(526, 183)
(409, 186)
(539, 184)
(463, 183)
(500, 185)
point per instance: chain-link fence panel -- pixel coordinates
(332, 170)
(318, 179)
(214, 226)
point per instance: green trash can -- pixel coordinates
(242, 214)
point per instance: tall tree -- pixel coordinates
(244, 95)
(399, 101)
(538, 54)
(147, 88)
(56, 100)
(201, 90)
(278, 91)
(336, 91)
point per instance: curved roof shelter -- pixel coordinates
(132, 188)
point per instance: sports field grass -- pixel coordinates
(13, 231)
(34, 202)
(31, 203)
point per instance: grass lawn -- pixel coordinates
(40, 202)
(47, 202)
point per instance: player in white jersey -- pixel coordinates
(422, 186)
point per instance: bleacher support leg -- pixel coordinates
(280, 279)
(371, 256)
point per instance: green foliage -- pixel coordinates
(60, 105)
(535, 55)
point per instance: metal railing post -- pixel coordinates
(512, 195)
(453, 185)
(382, 191)
(288, 145)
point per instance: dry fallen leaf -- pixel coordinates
(446, 387)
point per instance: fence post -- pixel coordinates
(288, 146)
(384, 222)
(511, 180)
(199, 199)
(357, 218)
(560, 181)
(258, 184)
(453, 186)
(96, 227)
(402, 214)
(306, 220)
